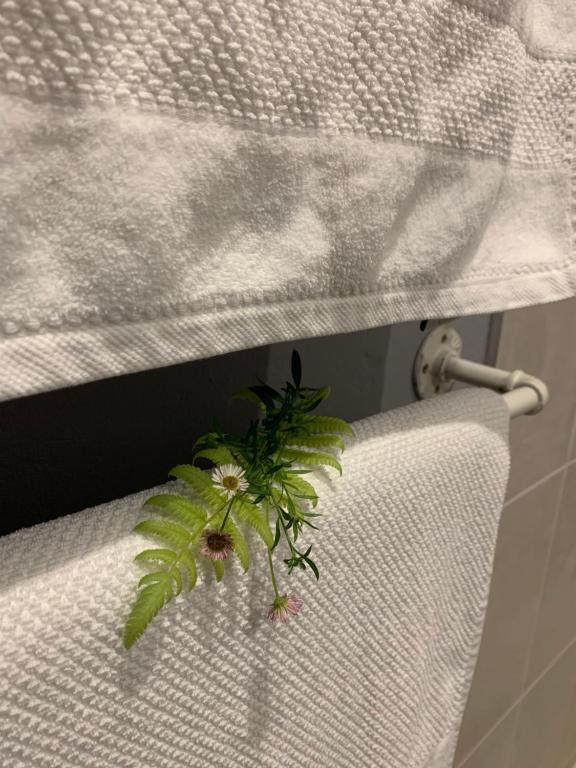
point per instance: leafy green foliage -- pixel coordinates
(329, 425)
(270, 495)
(240, 544)
(219, 570)
(200, 483)
(256, 517)
(183, 509)
(149, 602)
(166, 531)
(319, 441)
(299, 488)
(309, 458)
(219, 455)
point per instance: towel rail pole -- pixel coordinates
(439, 363)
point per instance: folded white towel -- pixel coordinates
(375, 672)
(183, 179)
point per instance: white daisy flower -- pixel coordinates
(230, 478)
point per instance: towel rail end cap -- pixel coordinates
(439, 363)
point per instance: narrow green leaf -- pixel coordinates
(181, 508)
(313, 567)
(166, 530)
(148, 603)
(296, 365)
(301, 488)
(276, 534)
(219, 569)
(310, 458)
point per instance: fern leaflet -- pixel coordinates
(200, 482)
(308, 458)
(329, 425)
(317, 441)
(150, 600)
(240, 544)
(181, 508)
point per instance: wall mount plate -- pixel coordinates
(427, 374)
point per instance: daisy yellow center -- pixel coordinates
(230, 482)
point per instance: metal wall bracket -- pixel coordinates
(439, 364)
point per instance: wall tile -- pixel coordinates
(546, 732)
(497, 749)
(519, 570)
(536, 339)
(556, 625)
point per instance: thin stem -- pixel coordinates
(227, 513)
(274, 582)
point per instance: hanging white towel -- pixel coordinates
(375, 671)
(183, 179)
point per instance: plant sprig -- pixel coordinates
(257, 480)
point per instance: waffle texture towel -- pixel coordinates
(374, 673)
(180, 179)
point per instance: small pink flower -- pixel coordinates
(284, 607)
(216, 545)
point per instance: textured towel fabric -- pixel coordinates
(183, 179)
(374, 673)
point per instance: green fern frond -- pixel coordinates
(219, 455)
(183, 559)
(301, 488)
(188, 562)
(201, 483)
(249, 513)
(219, 569)
(181, 508)
(150, 600)
(167, 531)
(240, 545)
(166, 556)
(318, 441)
(157, 556)
(164, 576)
(312, 459)
(328, 425)
(285, 443)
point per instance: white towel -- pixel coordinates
(183, 179)
(374, 672)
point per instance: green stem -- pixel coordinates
(270, 563)
(208, 521)
(227, 513)
(274, 582)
